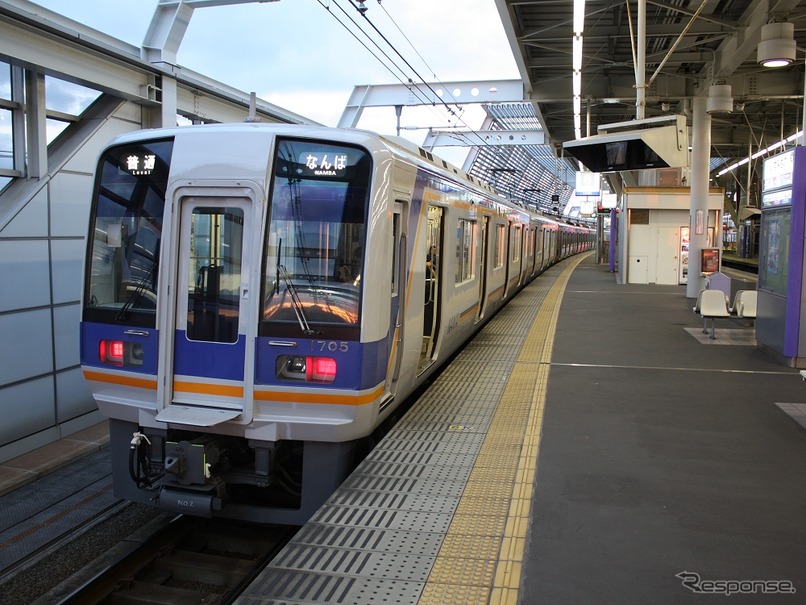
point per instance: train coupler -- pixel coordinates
(190, 462)
(189, 485)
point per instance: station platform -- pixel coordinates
(43, 461)
(590, 445)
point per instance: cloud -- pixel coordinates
(295, 54)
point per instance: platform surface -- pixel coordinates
(667, 459)
(587, 447)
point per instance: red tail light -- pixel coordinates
(309, 369)
(120, 353)
(111, 351)
(320, 369)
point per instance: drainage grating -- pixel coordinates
(365, 538)
(294, 587)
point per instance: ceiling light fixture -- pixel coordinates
(777, 46)
(719, 99)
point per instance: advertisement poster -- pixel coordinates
(710, 260)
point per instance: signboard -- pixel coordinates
(609, 200)
(778, 170)
(587, 208)
(588, 183)
(140, 164)
(324, 164)
(776, 198)
(710, 260)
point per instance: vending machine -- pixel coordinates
(682, 271)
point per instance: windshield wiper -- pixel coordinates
(299, 310)
(140, 289)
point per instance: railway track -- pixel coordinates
(740, 266)
(182, 560)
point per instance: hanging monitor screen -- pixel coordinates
(657, 147)
(617, 155)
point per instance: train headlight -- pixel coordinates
(308, 369)
(120, 353)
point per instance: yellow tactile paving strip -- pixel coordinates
(481, 558)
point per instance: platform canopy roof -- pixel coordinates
(527, 171)
(691, 45)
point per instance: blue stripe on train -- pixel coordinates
(93, 333)
(359, 365)
(209, 359)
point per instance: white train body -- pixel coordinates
(259, 299)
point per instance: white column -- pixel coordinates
(698, 214)
(640, 64)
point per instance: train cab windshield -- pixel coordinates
(125, 237)
(315, 240)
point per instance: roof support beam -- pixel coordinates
(464, 138)
(169, 24)
(34, 49)
(435, 93)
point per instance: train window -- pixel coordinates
(314, 255)
(516, 249)
(465, 251)
(394, 251)
(500, 246)
(125, 233)
(214, 267)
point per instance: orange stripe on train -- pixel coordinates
(322, 398)
(127, 381)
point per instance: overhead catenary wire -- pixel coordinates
(450, 110)
(399, 66)
(326, 5)
(402, 77)
(399, 72)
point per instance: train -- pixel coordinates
(258, 299)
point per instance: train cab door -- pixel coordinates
(400, 264)
(204, 377)
(483, 247)
(433, 273)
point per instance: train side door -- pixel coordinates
(205, 380)
(433, 273)
(539, 252)
(518, 252)
(483, 244)
(400, 264)
(507, 257)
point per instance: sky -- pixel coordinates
(295, 54)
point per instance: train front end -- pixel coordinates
(224, 330)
